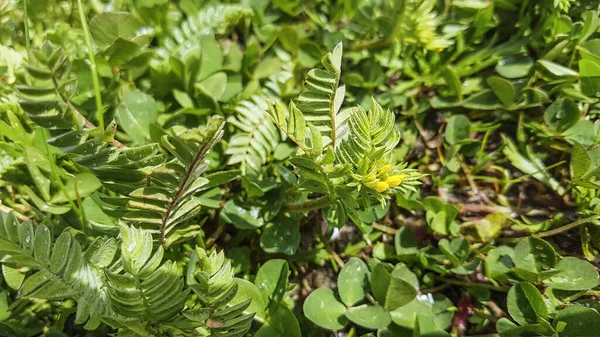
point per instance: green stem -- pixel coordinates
(567, 227)
(26, 25)
(371, 45)
(594, 293)
(139, 331)
(215, 235)
(575, 48)
(95, 79)
(76, 115)
(56, 177)
(310, 205)
(552, 232)
(435, 289)
(503, 289)
(385, 229)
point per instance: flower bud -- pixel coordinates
(380, 186)
(395, 180)
(370, 177)
(385, 168)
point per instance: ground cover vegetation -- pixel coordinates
(420, 168)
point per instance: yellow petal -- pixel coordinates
(370, 177)
(395, 180)
(385, 168)
(381, 186)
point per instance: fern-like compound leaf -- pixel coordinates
(210, 19)
(258, 137)
(170, 201)
(48, 104)
(371, 139)
(317, 121)
(146, 288)
(322, 99)
(368, 152)
(346, 156)
(211, 277)
(60, 269)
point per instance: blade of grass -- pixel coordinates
(95, 79)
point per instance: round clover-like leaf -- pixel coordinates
(107, 27)
(498, 263)
(369, 316)
(248, 291)
(577, 321)
(272, 279)
(352, 281)
(526, 304)
(241, 217)
(406, 243)
(580, 160)
(515, 66)
(282, 235)
(458, 129)
(323, 309)
(573, 274)
(402, 288)
(534, 255)
(429, 305)
(502, 88)
(136, 113)
(562, 114)
(281, 323)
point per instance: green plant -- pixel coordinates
(393, 298)
(199, 168)
(346, 156)
(135, 292)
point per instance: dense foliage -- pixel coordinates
(385, 168)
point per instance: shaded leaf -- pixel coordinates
(323, 309)
(369, 316)
(526, 304)
(352, 281)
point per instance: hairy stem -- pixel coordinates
(306, 150)
(332, 112)
(18, 215)
(95, 79)
(310, 205)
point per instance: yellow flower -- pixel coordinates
(395, 180)
(370, 177)
(379, 186)
(385, 168)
